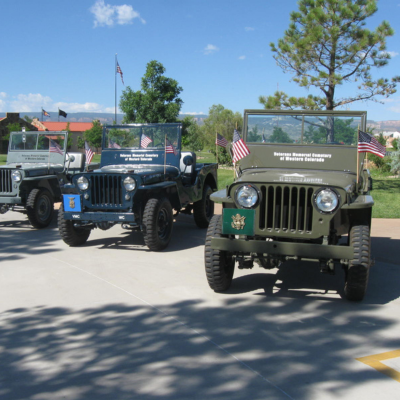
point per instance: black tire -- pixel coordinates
(72, 236)
(357, 272)
(219, 264)
(203, 210)
(157, 222)
(40, 208)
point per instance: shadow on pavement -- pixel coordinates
(128, 352)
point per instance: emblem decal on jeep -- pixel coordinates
(238, 222)
(72, 202)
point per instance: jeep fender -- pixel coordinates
(50, 183)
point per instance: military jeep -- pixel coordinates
(301, 194)
(30, 180)
(143, 177)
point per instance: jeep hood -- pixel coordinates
(148, 173)
(290, 176)
(35, 169)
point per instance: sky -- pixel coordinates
(61, 54)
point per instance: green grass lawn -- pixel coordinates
(386, 195)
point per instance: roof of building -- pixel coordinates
(62, 126)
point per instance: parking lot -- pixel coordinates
(111, 320)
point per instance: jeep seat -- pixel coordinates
(188, 172)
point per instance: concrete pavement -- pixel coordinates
(111, 320)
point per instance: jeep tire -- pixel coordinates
(40, 208)
(203, 210)
(357, 272)
(219, 264)
(157, 223)
(71, 235)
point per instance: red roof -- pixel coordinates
(62, 126)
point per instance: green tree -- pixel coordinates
(192, 135)
(279, 136)
(223, 121)
(157, 101)
(93, 136)
(327, 45)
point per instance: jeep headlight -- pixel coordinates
(326, 200)
(129, 183)
(83, 183)
(16, 176)
(246, 196)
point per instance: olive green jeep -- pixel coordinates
(301, 194)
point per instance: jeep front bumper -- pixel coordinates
(100, 216)
(291, 249)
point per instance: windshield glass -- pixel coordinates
(150, 136)
(51, 142)
(303, 129)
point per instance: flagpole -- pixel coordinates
(115, 73)
(358, 154)
(216, 146)
(165, 155)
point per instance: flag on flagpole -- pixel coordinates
(169, 147)
(367, 143)
(55, 147)
(221, 141)
(89, 153)
(114, 145)
(144, 141)
(263, 140)
(45, 113)
(239, 147)
(119, 71)
(62, 113)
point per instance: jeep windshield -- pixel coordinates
(140, 137)
(32, 141)
(303, 128)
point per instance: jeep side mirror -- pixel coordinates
(188, 160)
(70, 158)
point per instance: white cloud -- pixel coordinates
(249, 29)
(392, 53)
(34, 103)
(108, 15)
(210, 49)
(242, 58)
(193, 113)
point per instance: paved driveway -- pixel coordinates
(111, 320)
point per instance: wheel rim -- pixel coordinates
(43, 208)
(162, 224)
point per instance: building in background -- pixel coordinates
(12, 118)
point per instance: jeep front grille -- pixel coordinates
(286, 209)
(5, 181)
(106, 190)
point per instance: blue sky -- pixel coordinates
(61, 54)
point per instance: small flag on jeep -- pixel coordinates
(221, 141)
(367, 143)
(169, 147)
(55, 147)
(144, 141)
(239, 147)
(89, 153)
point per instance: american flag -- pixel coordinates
(169, 147)
(367, 143)
(55, 147)
(89, 153)
(239, 147)
(113, 145)
(119, 71)
(144, 141)
(221, 141)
